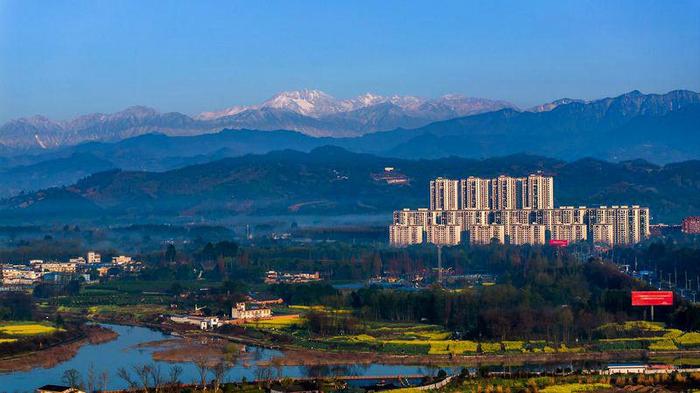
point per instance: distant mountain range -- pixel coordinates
(400, 118)
(311, 112)
(658, 128)
(332, 182)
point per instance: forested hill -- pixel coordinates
(331, 181)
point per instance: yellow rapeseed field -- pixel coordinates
(277, 322)
(689, 339)
(575, 387)
(26, 329)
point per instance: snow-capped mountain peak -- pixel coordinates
(546, 107)
(234, 110)
(318, 104)
(367, 99)
(307, 102)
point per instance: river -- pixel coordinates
(124, 352)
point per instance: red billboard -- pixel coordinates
(558, 243)
(652, 298)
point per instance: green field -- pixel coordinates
(140, 286)
(424, 339)
(136, 311)
(575, 387)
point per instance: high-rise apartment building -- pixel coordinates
(444, 235)
(537, 191)
(444, 194)
(572, 233)
(475, 193)
(520, 234)
(629, 225)
(505, 192)
(485, 234)
(420, 217)
(602, 233)
(405, 235)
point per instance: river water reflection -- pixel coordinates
(124, 352)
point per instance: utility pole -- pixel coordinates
(439, 264)
(675, 277)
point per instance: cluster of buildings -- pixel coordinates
(241, 312)
(390, 176)
(691, 225)
(514, 210)
(273, 277)
(38, 269)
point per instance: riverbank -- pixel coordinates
(58, 353)
(294, 355)
(195, 349)
(305, 357)
(197, 344)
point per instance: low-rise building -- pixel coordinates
(77, 260)
(93, 257)
(273, 277)
(58, 267)
(240, 311)
(204, 323)
(263, 300)
(58, 389)
(625, 369)
(122, 260)
(18, 275)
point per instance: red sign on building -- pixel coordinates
(652, 298)
(558, 243)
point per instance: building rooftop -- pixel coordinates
(627, 365)
(56, 388)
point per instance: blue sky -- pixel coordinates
(63, 58)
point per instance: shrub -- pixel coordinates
(663, 345)
(690, 339)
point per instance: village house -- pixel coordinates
(241, 312)
(204, 323)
